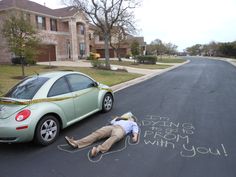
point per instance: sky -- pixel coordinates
(182, 22)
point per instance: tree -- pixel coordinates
(156, 47)
(228, 49)
(135, 50)
(195, 49)
(124, 26)
(171, 49)
(117, 39)
(21, 38)
(104, 14)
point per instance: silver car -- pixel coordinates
(40, 106)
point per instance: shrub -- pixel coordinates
(148, 59)
(17, 60)
(31, 61)
(128, 56)
(89, 57)
(97, 64)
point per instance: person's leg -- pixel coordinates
(95, 136)
(116, 135)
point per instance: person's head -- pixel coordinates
(129, 116)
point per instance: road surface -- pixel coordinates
(187, 119)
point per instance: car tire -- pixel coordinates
(47, 130)
(107, 102)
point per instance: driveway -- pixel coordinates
(187, 122)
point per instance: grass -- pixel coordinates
(170, 60)
(9, 74)
(136, 65)
(166, 62)
(141, 66)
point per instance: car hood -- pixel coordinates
(9, 106)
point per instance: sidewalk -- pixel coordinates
(148, 73)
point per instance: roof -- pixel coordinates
(140, 40)
(35, 7)
(56, 74)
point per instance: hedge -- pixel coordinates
(147, 59)
(17, 60)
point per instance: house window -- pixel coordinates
(53, 23)
(101, 37)
(41, 22)
(81, 27)
(90, 36)
(82, 49)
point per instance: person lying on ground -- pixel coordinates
(119, 127)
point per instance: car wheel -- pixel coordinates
(107, 103)
(47, 130)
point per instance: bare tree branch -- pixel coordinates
(105, 14)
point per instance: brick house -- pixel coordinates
(97, 44)
(63, 32)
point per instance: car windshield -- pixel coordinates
(27, 88)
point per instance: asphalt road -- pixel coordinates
(188, 125)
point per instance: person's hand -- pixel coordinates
(135, 137)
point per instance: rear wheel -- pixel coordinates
(107, 103)
(47, 130)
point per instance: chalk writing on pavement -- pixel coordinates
(162, 132)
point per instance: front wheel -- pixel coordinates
(47, 130)
(107, 103)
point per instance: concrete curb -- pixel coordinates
(229, 60)
(124, 85)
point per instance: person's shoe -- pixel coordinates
(71, 142)
(93, 152)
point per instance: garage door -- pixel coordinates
(47, 53)
(102, 53)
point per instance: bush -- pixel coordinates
(128, 56)
(30, 61)
(97, 64)
(17, 60)
(147, 59)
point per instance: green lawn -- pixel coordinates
(136, 65)
(167, 61)
(10, 72)
(170, 60)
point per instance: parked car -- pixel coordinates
(40, 106)
(95, 55)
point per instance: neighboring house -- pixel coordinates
(97, 44)
(64, 32)
(140, 40)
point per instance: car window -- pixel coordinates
(27, 88)
(79, 82)
(59, 87)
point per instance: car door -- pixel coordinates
(61, 89)
(85, 95)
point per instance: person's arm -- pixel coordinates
(135, 133)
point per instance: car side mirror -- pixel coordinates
(95, 84)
